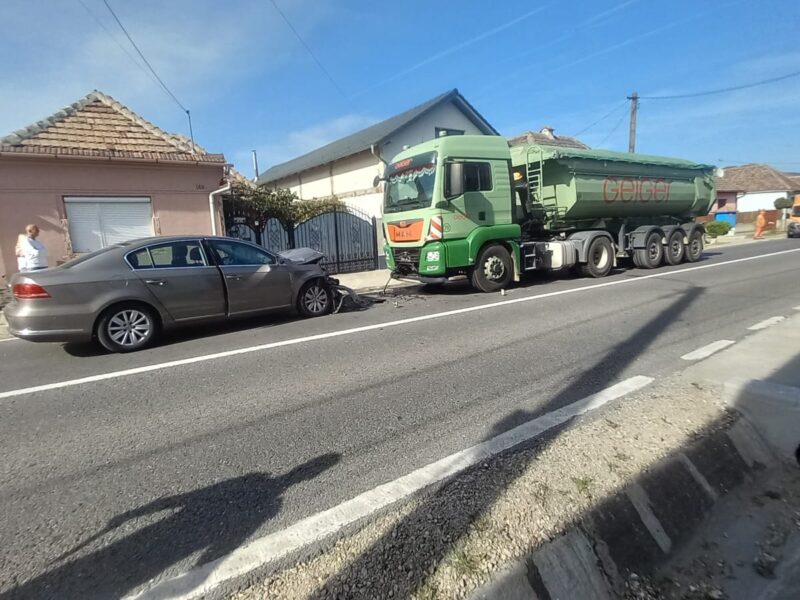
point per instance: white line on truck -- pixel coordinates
(376, 326)
(205, 578)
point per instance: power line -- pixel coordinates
(113, 37)
(308, 49)
(152, 70)
(605, 116)
(723, 90)
(610, 133)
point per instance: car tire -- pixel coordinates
(652, 254)
(694, 249)
(315, 299)
(126, 328)
(492, 271)
(675, 249)
(599, 258)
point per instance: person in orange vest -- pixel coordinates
(761, 224)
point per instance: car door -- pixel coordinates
(255, 280)
(181, 277)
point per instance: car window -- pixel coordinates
(140, 259)
(177, 255)
(237, 254)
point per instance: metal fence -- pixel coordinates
(346, 236)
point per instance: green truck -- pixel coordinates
(470, 205)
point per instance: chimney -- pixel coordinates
(547, 131)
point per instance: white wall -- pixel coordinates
(424, 129)
(757, 200)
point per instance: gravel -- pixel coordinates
(451, 540)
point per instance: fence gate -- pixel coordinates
(345, 236)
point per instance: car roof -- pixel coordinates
(157, 239)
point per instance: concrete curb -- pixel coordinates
(641, 526)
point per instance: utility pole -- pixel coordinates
(634, 98)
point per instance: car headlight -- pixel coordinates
(432, 256)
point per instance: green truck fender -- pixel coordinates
(462, 253)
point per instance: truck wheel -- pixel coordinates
(695, 246)
(673, 253)
(492, 271)
(599, 258)
(651, 255)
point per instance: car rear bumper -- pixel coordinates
(36, 328)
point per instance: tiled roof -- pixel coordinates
(375, 134)
(755, 178)
(542, 138)
(97, 126)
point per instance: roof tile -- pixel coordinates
(755, 178)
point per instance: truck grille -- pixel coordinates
(406, 256)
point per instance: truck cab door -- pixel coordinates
(486, 199)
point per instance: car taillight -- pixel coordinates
(29, 291)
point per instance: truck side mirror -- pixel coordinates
(376, 181)
(453, 180)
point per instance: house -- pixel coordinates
(345, 169)
(546, 137)
(96, 173)
(749, 188)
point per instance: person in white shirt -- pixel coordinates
(31, 253)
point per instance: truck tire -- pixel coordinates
(675, 249)
(599, 258)
(694, 249)
(652, 254)
(492, 270)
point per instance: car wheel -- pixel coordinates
(126, 328)
(492, 270)
(315, 299)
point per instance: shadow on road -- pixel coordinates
(435, 527)
(204, 524)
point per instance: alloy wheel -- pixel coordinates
(129, 327)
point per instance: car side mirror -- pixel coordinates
(453, 180)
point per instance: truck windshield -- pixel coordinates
(796, 210)
(409, 184)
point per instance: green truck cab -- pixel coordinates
(469, 205)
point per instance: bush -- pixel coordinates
(717, 228)
(783, 203)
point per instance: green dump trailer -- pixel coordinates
(471, 206)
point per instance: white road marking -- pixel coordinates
(797, 307)
(10, 339)
(707, 350)
(376, 326)
(766, 323)
(203, 579)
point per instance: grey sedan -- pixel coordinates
(125, 295)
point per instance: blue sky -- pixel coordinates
(251, 85)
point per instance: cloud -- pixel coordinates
(302, 141)
(200, 54)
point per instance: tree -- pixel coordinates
(783, 203)
(283, 205)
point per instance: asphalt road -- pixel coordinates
(108, 484)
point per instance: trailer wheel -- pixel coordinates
(673, 253)
(599, 258)
(651, 255)
(492, 270)
(695, 246)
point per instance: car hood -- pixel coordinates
(303, 256)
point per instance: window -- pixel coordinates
(238, 254)
(477, 177)
(447, 131)
(140, 259)
(174, 255)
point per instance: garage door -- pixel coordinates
(95, 223)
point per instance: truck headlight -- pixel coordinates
(432, 256)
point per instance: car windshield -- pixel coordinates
(411, 185)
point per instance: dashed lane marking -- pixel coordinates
(707, 350)
(766, 323)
